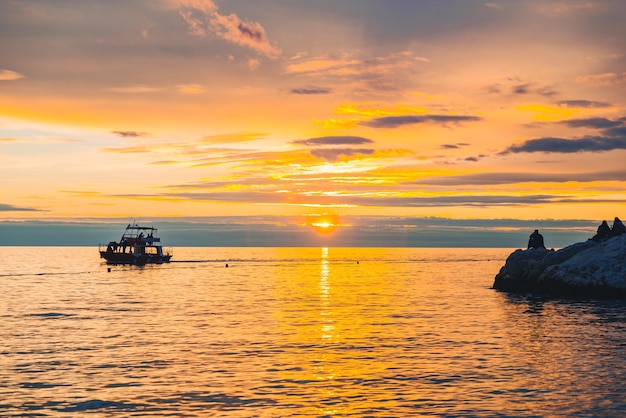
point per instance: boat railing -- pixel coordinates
(149, 239)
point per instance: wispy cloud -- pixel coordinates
(130, 149)
(129, 134)
(82, 193)
(548, 112)
(233, 137)
(605, 79)
(164, 163)
(496, 178)
(11, 208)
(358, 73)
(466, 200)
(191, 88)
(311, 90)
(323, 64)
(187, 150)
(335, 154)
(564, 8)
(517, 86)
(334, 140)
(367, 110)
(390, 199)
(455, 146)
(351, 64)
(586, 104)
(39, 139)
(254, 64)
(136, 89)
(270, 163)
(8, 75)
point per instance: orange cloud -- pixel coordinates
(320, 64)
(234, 137)
(365, 112)
(368, 111)
(336, 123)
(8, 75)
(351, 64)
(203, 17)
(134, 89)
(542, 112)
(191, 88)
(606, 79)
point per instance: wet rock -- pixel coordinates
(585, 269)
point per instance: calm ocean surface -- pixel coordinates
(304, 332)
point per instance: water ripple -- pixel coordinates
(301, 332)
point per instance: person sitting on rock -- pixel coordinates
(603, 232)
(618, 227)
(535, 240)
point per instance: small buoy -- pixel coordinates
(226, 265)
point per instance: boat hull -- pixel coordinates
(134, 259)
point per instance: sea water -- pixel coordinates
(302, 332)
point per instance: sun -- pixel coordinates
(324, 223)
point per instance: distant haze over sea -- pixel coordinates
(281, 231)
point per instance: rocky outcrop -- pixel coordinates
(587, 269)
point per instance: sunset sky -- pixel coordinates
(294, 108)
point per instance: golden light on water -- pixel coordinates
(299, 332)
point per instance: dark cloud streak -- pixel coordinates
(497, 178)
(586, 104)
(455, 146)
(568, 146)
(311, 91)
(129, 134)
(10, 208)
(520, 89)
(597, 123)
(612, 137)
(397, 121)
(334, 140)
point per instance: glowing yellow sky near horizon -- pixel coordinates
(207, 109)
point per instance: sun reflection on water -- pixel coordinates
(328, 325)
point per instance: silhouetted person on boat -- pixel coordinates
(603, 232)
(535, 240)
(618, 227)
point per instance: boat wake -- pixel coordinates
(51, 273)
